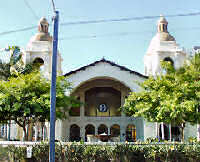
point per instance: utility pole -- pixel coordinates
(53, 88)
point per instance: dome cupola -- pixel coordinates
(43, 31)
(163, 47)
(162, 24)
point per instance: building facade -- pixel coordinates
(103, 87)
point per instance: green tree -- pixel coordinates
(26, 99)
(4, 70)
(14, 65)
(172, 97)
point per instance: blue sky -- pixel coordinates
(84, 44)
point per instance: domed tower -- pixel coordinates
(163, 46)
(39, 49)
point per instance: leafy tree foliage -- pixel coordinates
(172, 97)
(4, 70)
(15, 65)
(26, 98)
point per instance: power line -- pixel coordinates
(103, 35)
(121, 34)
(18, 30)
(53, 5)
(31, 9)
(127, 19)
(102, 21)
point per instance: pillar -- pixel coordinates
(96, 130)
(122, 133)
(108, 130)
(82, 108)
(67, 131)
(82, 133)
(123, 95)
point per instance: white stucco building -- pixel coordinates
(103, 86)
(163, 46)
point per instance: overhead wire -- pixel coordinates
(103, 35)
(18, 30)
(119, 34)
(101, 21)
(126, 19)
(31, 9)
(53, 5)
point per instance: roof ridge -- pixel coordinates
(109, 62)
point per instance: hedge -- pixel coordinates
(80, 152)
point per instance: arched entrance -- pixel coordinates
(89, 130)
(103, 129)
(131, 133)
(74, 133)
(102, 101)
(115, 130)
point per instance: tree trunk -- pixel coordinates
(30, 131)
(42, 127)
(182, 131)
(25, 137)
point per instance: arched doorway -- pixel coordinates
(89, 130)
(131, 133)
(74, 133)
(115, 130)
(102, 129)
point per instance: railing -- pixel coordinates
(30, 143)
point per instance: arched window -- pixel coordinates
(131, 133)
(103, 129)
(39, 62)
(168, 59)
(74, 133)
(89, 130)
(115, 130)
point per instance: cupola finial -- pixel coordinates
(43, 25)
(162, 24)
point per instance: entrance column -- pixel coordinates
(123, 95)
(67, 136)
(82, 133)
(122, 133)
(109, 130)
(82, 108)
(96, 130)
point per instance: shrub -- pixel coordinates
(80, 152)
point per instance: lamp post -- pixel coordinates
(53, 88)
